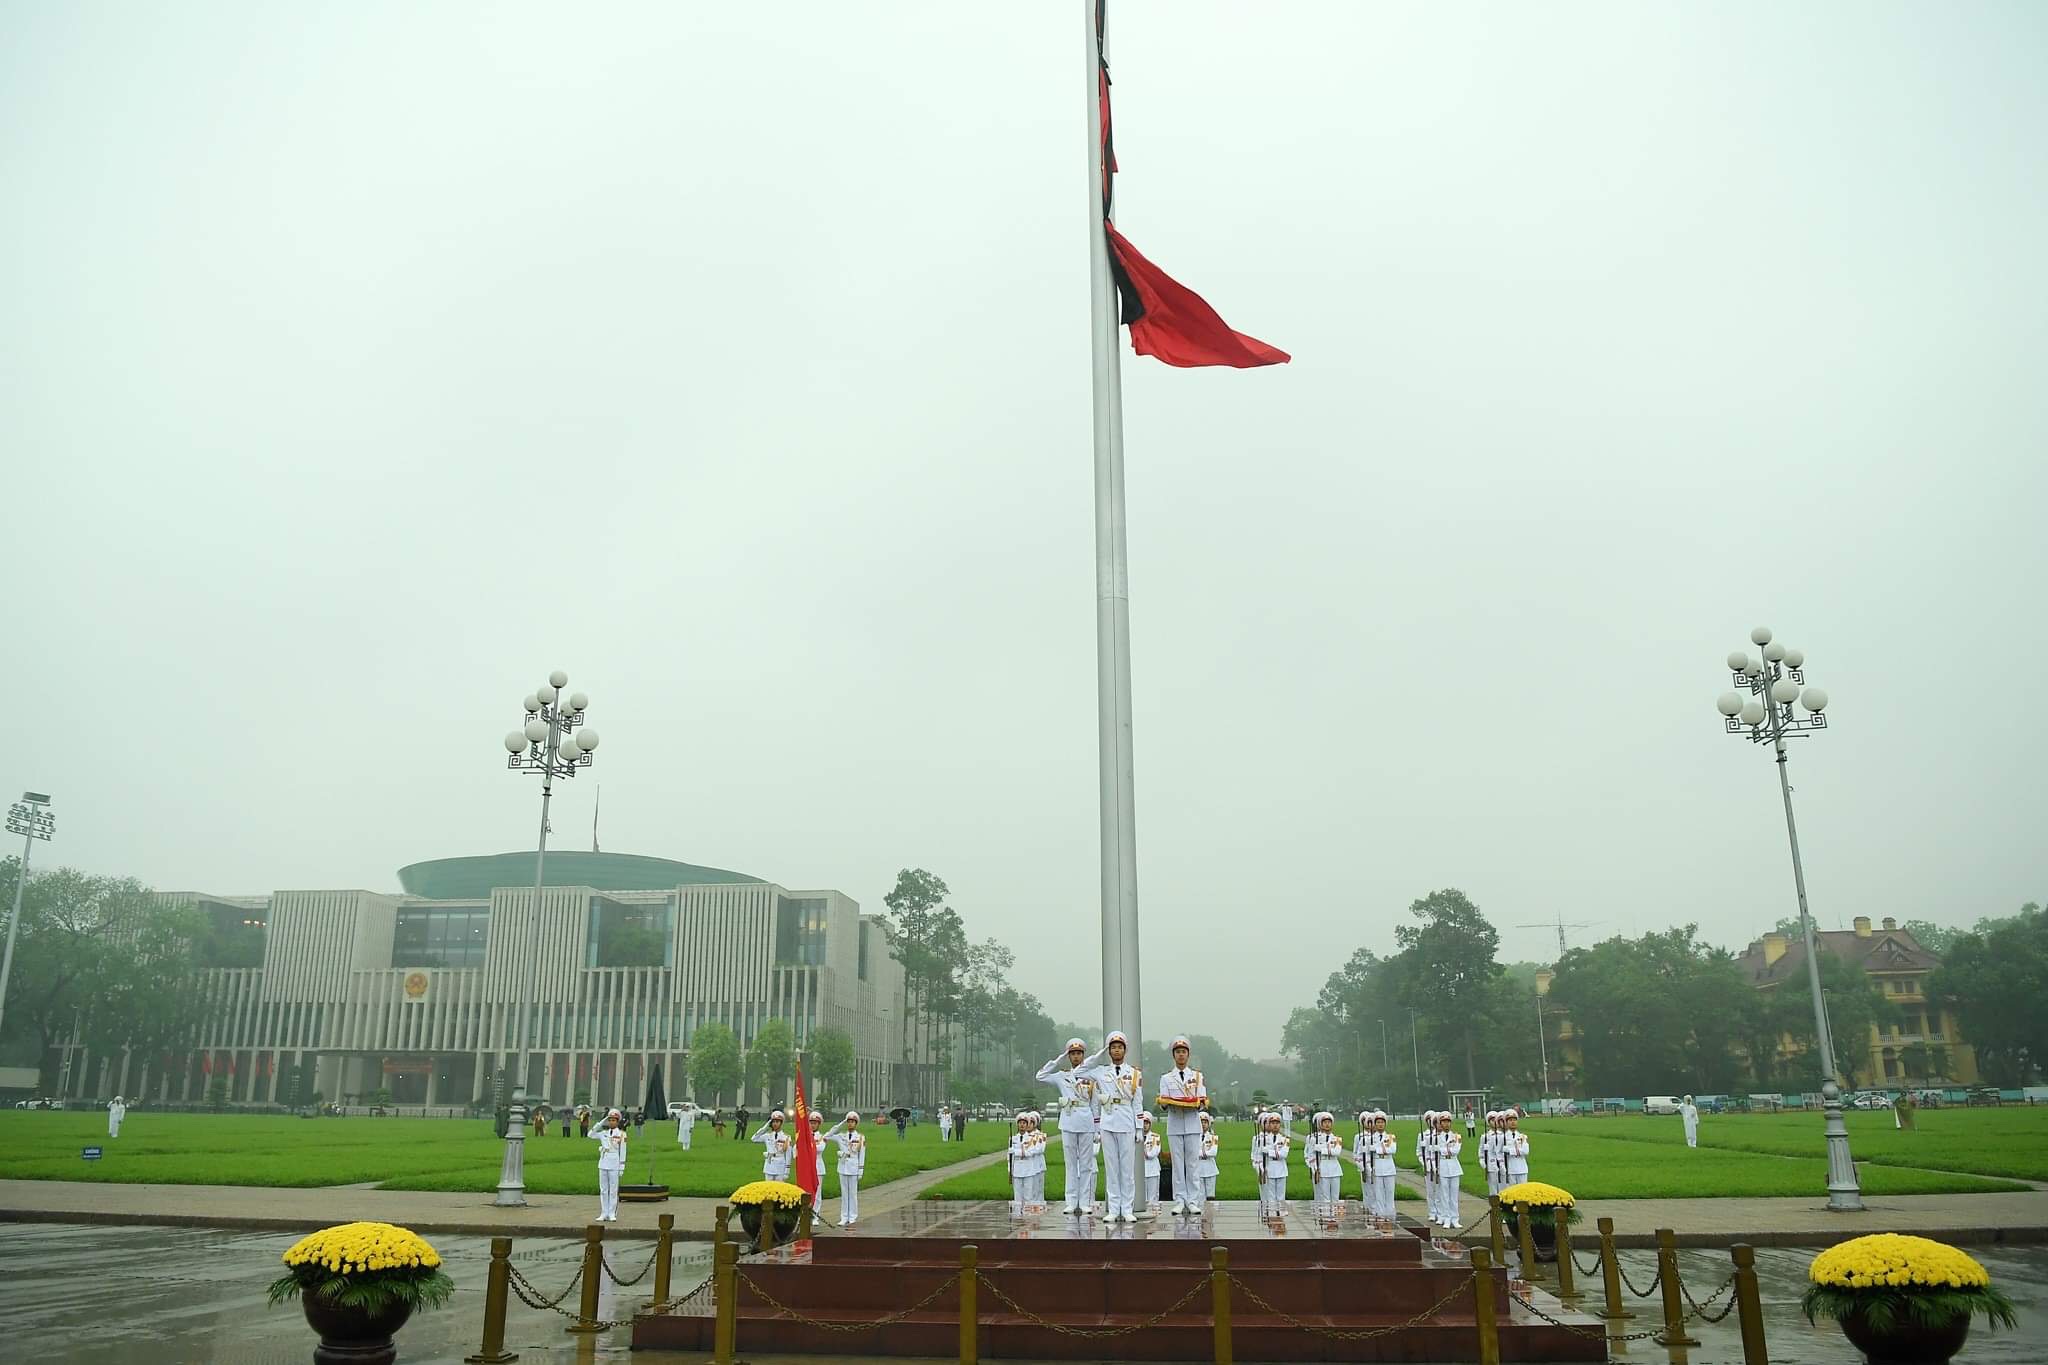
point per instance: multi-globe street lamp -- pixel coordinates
(553, 744)
(1776, 683)
(32, 819)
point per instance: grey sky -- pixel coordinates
(363, 363)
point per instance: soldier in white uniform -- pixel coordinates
(853, 1163)
(1185, 1099)
(1688, 1113)
(1034, 1191)
(1120, 1097)
(686, 1121)
(1425, 1160)
(777, 1147)
(1206, 1170)
(1385, 1144)
(1449, 1142)
(1514, 1149)
(115, 1113)
(1020, 1164)
(1152, 1146)
(1077, 1121)
(1492, 1162)
(1323, 1154)
(1269, 1159)
(610, 1137)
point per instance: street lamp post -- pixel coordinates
(1774, 683)
(549, 745)
(1543, 1047)
(32, 819)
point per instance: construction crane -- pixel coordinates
(1560, 926)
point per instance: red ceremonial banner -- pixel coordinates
(806, 1145)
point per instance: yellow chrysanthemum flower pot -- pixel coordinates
(1902, 1299)
(774, 1202)
(358, 1283)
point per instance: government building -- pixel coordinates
(420, 993)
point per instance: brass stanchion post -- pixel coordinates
(593, 1279)
(1482, 1307)
(1495, 1227)
(1567, 1286)
(1617, 1309)
(766, 1241)
(721, 1229)
(664, 1253)
(1674, 1333)
(805, 1221)
(970, 1346)
(1749, 1308)
(1525, 1245)
(493, 1351)
(1219, 1304)
(725, 1291)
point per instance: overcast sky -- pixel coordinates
(361, 363)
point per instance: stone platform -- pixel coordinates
(1053, 1288)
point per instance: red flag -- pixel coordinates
(1171, 321)
(1167, 319)
(806, 1144)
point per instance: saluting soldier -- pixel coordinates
(776, 1148)
(1072, 1074)
(1120, 1097)
(853, 1163)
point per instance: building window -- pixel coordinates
(231, 935)
(863, 972)
(630, 934)
(435, 937)
(799, 931)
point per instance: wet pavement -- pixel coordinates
(173, 1296)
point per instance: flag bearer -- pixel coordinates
(1120, 1095)
(777, 1147)
(1077, 1121)
(1186, 1100)
(1269, 1158)
(1206, 1170)
(853, 1163)
(1323, 1155)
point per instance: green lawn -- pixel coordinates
(1637, 1158)
(408, 1154)
(2009, 1141)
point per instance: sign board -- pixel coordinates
(90, 1154)
(416, 986)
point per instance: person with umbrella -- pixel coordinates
(902, 1116)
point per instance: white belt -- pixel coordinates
(1072, 1104)
(1116, 1099)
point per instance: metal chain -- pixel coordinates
(1589, 1271)
(1599, 1332)
(792, 1314)
(1098, 1332)
(1703, 1311)
(532, 1297)
(1362, 1334)
(613, 1275)
(1656, 1280)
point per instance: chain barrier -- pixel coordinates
(1655, 1281)
(532, 1297)
(1600, 1333)
(613, 1275)
(1599, 1259)
(1704, 1311)
(1097, 1332)
(1359, 1334)
(795, 1316)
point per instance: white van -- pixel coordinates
(1660, 1104)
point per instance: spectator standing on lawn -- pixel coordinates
(739, 1127)
(611, 1164)
(902, 1124)
(686, 1122)
(115, 1113)
(1689, 1115)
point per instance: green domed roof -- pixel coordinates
(464, 879)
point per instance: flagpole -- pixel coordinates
(1120, 999)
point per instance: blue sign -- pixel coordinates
(90, 1154)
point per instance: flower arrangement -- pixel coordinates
(755, 1193)
(1889, 1280)
(1546, 1203)
(366, 1267)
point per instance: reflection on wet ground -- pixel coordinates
(182, 1296)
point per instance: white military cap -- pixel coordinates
(1116, 1036)
(1073, 1043)
(778, 1114)
(1364, 1115)
(853, 1116)
(1322, 1114)
(1179, 1040)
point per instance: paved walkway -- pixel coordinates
(286, 1210)
(1971, 1218)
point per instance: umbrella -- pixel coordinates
(657, 1108)
(901, 1111)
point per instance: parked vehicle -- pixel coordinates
(1660, 1104)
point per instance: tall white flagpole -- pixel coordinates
(1120, 999)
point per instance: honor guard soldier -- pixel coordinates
(1119, 1097)
(1206, 1170)
(1185, 1099)
(777, 1148)
(1323, 1155)
(1072, 1074)
(1269, 1159)
(853, 1164)
(1514, 1145)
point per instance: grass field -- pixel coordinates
(1646, 1158)
(408, 1154)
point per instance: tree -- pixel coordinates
(1996, 983)
(831, 1058)
(1451, 967)
(1856, 1007)
(1663, 1012)
(770, 1059)
(715, 1062)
